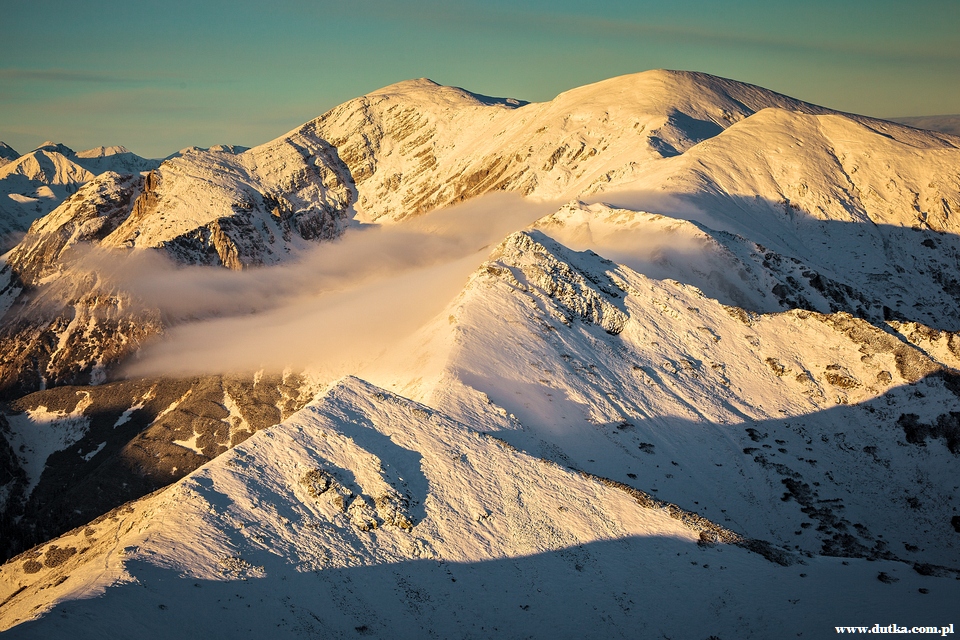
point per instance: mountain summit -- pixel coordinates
(35, 183)
(695, 370)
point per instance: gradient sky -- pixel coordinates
(159, 76)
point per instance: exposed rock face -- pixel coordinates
(943, 346)
(69, 335)
(33, 184)
(240, 210)
(77, 452)
(66, 325)
(581, 294)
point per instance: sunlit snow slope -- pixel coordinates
(712, 390)
(35, 183)
(370, 514)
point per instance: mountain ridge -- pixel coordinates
(35, 183)
(713, 314)
(360, 459)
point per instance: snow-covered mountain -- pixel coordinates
(725, 362)
(369, 514)
(7, 154)
(945, 124)
(650, 382)
(73, 453)
(416, 146)
(33, 184)
(826, 198)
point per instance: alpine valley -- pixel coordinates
(670, 355)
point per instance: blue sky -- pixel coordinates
(159, 76)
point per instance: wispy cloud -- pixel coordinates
(706, 36)
(340, 304)
(66, 75)
(592, 25)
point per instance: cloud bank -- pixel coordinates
(333, 309)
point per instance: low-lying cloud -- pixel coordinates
(332, 309)
(336, 307)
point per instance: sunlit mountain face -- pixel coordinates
(670, 355)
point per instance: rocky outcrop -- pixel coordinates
(67, 325)
(240, 210)
(120, 441)
(529, 261)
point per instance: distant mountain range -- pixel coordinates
(945, 124)
(711, 390)
(35, 183)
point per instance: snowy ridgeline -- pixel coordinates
(35, 183)
(715, 393)
(416, 146)
(370, 514)
(764, 445)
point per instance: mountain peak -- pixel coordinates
(690, 92)
(427, 89)
(102, 152)
(407, 85)
(56, 147)
(7, 152)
